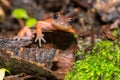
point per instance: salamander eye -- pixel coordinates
(55, 16)
(70, 21)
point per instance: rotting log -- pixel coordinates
(25, 60)
(50, 63)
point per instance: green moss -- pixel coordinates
(102, 64)
(116, 32)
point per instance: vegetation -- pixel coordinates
(30, 22)
(20, 13)
(102, 64)
(2, 73)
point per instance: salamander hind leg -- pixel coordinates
(24, 33)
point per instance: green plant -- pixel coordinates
(2, 73)
(102, 64)
(20, 14)
(31, 22)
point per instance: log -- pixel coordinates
(18, 59)
(48, 62)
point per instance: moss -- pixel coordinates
(102, 64)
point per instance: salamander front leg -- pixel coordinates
(39, 35)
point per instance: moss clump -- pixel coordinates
(102, 64)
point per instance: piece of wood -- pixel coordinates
(31, 61)
(49, 61)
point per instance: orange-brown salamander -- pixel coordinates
(58, 22)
